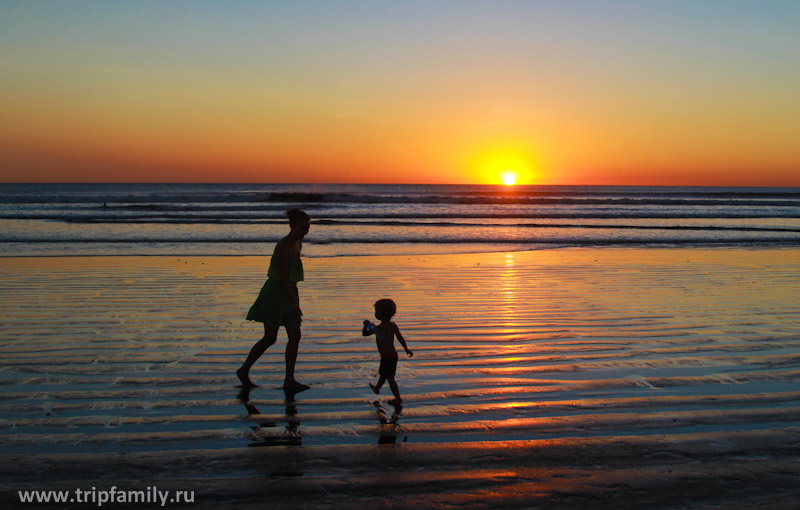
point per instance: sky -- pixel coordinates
(642, 92)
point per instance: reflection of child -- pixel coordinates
(384, 311)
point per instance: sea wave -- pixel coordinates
(193, 214)
(364, 194)
(323, 218)
(557, 240)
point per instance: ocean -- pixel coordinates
(607, 345)
(349, 219)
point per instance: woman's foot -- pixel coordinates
(294, 386)
(375, 388)
(244, 377)
(395, 401)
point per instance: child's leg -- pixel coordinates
(377, 387)
(395, 390)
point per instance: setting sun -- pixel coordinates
(509, 178)
(507, 164)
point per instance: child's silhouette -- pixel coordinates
(385, 332)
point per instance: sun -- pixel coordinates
(509, 177)
(504, 164)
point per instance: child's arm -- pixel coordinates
(366, 331)
(402, 340)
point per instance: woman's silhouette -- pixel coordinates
(278, 303)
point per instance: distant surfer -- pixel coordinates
(278, 303)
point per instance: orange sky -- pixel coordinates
(575, 93)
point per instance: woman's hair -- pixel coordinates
(385, 309)
(296, 216)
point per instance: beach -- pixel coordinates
(587, 214)
(595, 377)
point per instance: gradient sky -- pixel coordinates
(592, 92)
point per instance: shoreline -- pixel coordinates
(600, 247)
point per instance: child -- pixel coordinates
(384, 337)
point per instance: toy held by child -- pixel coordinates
(372, 328)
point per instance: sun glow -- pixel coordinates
(509, 166)
(509, 177)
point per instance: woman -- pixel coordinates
(278, 303)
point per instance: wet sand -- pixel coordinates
(612, 378)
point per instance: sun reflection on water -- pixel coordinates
(508, 288)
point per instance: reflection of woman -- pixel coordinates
(278, 303)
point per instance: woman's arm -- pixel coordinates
(283, 271)
(282, 252)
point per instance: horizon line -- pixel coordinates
(511, 187)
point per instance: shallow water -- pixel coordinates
(129, 354)
(125, 355)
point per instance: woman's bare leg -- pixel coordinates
(270, 335)
(292, 346)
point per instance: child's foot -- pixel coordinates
(244, 377)
(395, 401)
(375, 388)
(244, 394)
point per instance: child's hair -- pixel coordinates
(385, 309)
(296, 216)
